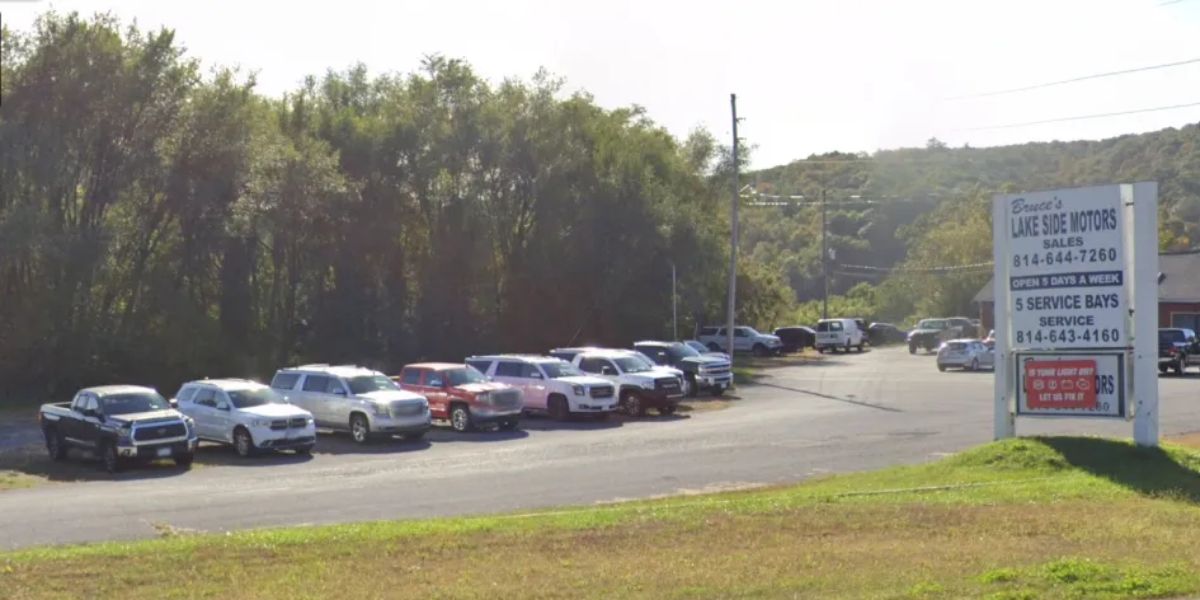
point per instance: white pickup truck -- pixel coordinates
(640, 383)
(745, 339)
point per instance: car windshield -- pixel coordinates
(956, 346)
(555, 370)
(678, 351)
(255, 397)
(1168, 336)
(695, 345)
(932, 324)
(633, 364)
(127, 404)
(463, 376)
(365, 384)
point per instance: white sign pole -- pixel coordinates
(1141, 204)
(1005, 425)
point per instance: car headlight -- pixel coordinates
(260, 422)
(380, 410)
(124, 435)
(647, 385)
(578, 389)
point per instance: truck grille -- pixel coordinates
(159, 432)
(279, 424)
(506, 399)
(716, 370)
(602, 391)
(298, 422)
(669, 384)
(407, 408)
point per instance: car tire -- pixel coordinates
(1163, 369)
(303, 450)
(184, 460)
(243, 442)
(941, 367)
(55, 444)
(509, 425)
(460, 418)
(759, 350)
(859, 347)
(112, 461)
(820, 349)
(558, 408)
(1179, 367)
(717, 390)
(691, 388)
(631, 405)
(360, 428)
(912, 348)
(667, 409)
(974, 364)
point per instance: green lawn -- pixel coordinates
(1029, 518)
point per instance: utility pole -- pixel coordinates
(824, 260)
(733, 237)
(674, 309)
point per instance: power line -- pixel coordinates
(1083, 117)
(1039, 86)
(938, 269)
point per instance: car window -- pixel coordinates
(529, 371)
(482, 365)
(1167, 336)
(411, 377)
(186, 394)
(741, 332)
(254, 397)
(206, 397)
(591, 365)
(433, 379)
(554, 370)
(285, 381)
(835, 326)
(365, 384)
(136, 402)
(335, 385)
(508, 368)
(90, 403)
(708, 331)
(316, 383)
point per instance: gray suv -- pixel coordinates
(348, 398)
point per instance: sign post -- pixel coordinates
(1076, 310)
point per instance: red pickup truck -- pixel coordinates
(463, 397)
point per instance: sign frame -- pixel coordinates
(1138, 261)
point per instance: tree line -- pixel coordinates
(159, 223)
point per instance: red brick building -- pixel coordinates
(1178, 292)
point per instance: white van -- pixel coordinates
(839, 334)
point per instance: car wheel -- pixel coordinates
(941, 367)
(1162, 369)
(667, 409)
(112, 461)
(632, 405)
(859, 347)
(243, 443)
(759, 350)
(718, 389)
(54, 444)
(912, 348)
(1179, 367)
(820, 349)
(305, 450)
(184, 460)
(460, 418)
(974, 364)
(559, 411)
(690, 388)
(508, 425)
(360, 429)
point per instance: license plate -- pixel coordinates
(163, 452)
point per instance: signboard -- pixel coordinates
(1071, 384)
(1076, 310)
(1067, 269)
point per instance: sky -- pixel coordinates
(810, 76)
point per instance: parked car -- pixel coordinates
(967, 354)
(247, 414)
(118, 423)
(698, 346)
(462, 397)
(796, 337)
(640, 385)
(1178, 349)
(839, 334)
(879, 334)
(550, 385)
(929, 334)
(699, 371)
(356, 399)
(963, 327)
(745, 339)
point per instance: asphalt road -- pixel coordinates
(845, 413)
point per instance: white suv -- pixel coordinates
(356, 399)
(745, 339)
(549, 384)
(641, 384)
(247, 414)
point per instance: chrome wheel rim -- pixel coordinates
(631, 406)
(458, 419)
(242, 443)
(359, 430)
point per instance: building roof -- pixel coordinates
(1178, 279)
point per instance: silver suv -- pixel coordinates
(348, 398)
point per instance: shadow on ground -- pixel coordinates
(1149, 471)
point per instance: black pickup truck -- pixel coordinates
(119, 423)
(1177, 349)
(699, 371)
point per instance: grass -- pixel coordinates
(1027, 518)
